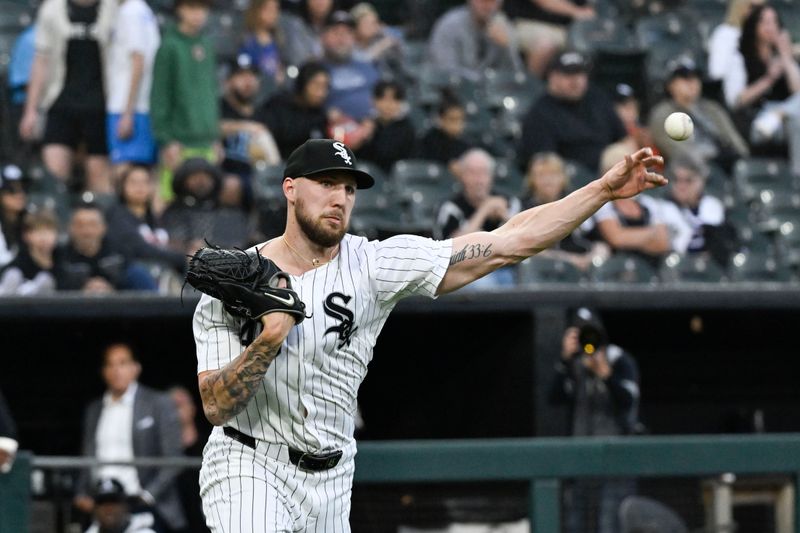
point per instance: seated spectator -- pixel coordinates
(445, 141)
(477, 208)
(763, 85)
(89, 262)
(129, 76)
(246, 138)
(704, 213)
(723, 44)
(393, 135)
(112, 511)
(643, 225)
(262, 43)
(377, 43)
(468, 39)
(12, 209)
(547, 181)
(184, 105)
(295, 116)
(189, 219)
(352, 80)
(572, 119)
(34, 269)
(715, 138)
(541, 27)
(233, 223)
(628, 109)
(132, 225)
(304, 32)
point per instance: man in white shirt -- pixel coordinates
(129, 77)
(129, 421)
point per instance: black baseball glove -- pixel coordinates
(245, 281)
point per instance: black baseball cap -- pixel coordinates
(321, 156)
(569, 62)
(109, 490)
(242, 62)
(623, 92)
(683, 67)
(11, 178)
(339, 17)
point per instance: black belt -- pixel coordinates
(304, 460)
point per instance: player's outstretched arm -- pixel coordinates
(226, 392)
(533, 230)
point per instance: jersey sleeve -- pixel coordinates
(215, 335)
(408, 265)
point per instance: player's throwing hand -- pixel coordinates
(631, 176)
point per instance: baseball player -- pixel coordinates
(280, 457)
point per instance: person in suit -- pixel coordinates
(129, 421)
(8, 437)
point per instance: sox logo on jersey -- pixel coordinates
(345, 316)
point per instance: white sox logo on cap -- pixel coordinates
(341, 151)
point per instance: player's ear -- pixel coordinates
(289, 188)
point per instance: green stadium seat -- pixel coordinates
(625, 268)
(413, 170)
(267, 181)
(693, 268)
(600, 33)
(752, 175)
(507, 177)
(579, 174)
(540, 269)
(638, 514)
(757, 267)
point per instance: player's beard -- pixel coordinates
(314, 228)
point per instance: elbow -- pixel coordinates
(213, 416)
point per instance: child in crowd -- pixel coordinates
(393, 133)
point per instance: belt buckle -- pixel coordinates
(315, 463)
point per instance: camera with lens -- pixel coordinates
(591, 333)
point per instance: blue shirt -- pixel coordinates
(19, 67)
(266, 56)
(351, 88)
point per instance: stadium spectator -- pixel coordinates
(763, 85)
(129, 421)
(129, 77)
(19, 73)
(8, 437)
(305, 31)
(599, 382)
(264, 38)
(112, 511)
(572, 119)
(547, 181)
(298, 115)
(642, 225)
(189, 219)
(723, 44)
(133, 228)
(183, 102)
(541, 27)
(351, 80)
(477, 208)
(628, 109)
(89, 262)
(377, 43)
(12, 209)
(393, 137)
(704, 213)
(66, 84)
(233, 223)
(715, 138)
(445, 141)
(246, 138)
(34, 270)
(468, 39)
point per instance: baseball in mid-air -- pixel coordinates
(679, 126)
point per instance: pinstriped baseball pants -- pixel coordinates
(260, 491)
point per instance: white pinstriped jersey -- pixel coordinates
(308, 396)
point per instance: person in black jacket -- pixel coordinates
(445, 141)
(34, 270)
(132, 225)
(296, 116)
(600, 383)
(393, 135)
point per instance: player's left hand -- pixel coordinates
(631, 176)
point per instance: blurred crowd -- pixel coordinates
(138, 131)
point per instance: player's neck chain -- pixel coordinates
(315, 262)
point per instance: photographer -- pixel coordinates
(600, 382)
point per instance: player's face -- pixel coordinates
(323, 205)
(119, 369)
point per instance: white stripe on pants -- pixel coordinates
(260, 491)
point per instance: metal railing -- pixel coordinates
(545, 462)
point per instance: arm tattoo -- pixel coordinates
(227, 391)
(471, 251)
